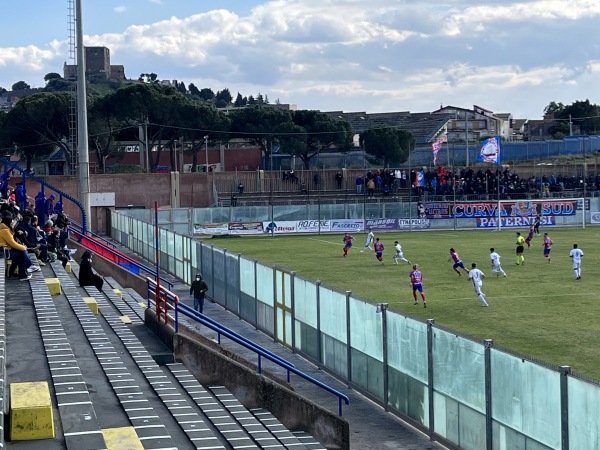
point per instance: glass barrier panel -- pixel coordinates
(366, 334)
(526, 398)
(207, 268)
(584, 406)
(247, 284)
(219, 275)
(459, 424)
(264, 289)
(459, 369)
(407, 346)
(305, 315)
(333, 314)
(232, 282)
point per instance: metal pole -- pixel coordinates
(157, 257)
(206, 152)
(467, 137)
(82, 128)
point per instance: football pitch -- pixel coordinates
(539, 309)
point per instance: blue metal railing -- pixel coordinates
(26, 174)
(97, 237)
(235, 337)
(112, 250)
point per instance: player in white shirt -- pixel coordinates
(477, 276)
(370, 239)
(576, 254)
(399, 255)
(496, 267)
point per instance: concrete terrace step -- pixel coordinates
(229, 428)
(79, 422)
(285, 436)
(149, 427)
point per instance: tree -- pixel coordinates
(223, 98)
(39, 123)
(583, 114)
(251, 100)
(389, 145)
(2, 90)
(321, 131)
(263, 127)
(194, 90)
(207, 94)
(239, 101)
(181, 87)
(20, 85)
(58, 84)
(51, 76)
(148, 77)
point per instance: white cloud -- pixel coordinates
(120, 9)
(366, 55)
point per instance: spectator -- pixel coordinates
(241, 188)
(359, 184)
(338, 179)
(17, 252)
(371, 188)
(233, 200)
(198, 290)
(303, 189)
(317, 179)
(87, 277)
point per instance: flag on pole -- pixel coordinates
(490, 151)
(436, 146)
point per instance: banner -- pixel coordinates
(245, 227)
(397, 224)
(211, 228)
(490, 150)
(516, 208)
(312, 226)
(347, 225)
(510, 222)
(595, 217)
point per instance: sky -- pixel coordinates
(353, 55)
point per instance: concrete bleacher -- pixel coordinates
(114, 384)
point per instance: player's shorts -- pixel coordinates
(399, 254)
(520, 249)
(547, 252)
(477, 287)
(576, 266)
(458, 264)
(496, 268)
(417, 287)
(379, 254)
(349, 245)
(528, 239)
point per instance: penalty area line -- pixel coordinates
(492, 297)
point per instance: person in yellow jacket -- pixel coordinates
(18, 252)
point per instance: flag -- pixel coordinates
(444, 138)
(435, 148)
(490, 151)
(420, 178)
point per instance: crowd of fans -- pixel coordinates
(40, 228)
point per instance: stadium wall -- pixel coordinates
(464, 393)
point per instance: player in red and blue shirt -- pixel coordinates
(416, 279)
(530, 236)
(457, 262)
(379, 250)
(347, 243)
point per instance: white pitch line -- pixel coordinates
(327, 242)
(492, 297)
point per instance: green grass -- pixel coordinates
(539, 309)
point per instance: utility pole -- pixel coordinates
(467, 136)
(570, 126)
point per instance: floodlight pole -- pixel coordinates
(82, 126)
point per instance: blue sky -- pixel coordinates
(351, 55)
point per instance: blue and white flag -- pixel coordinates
(490, 150)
